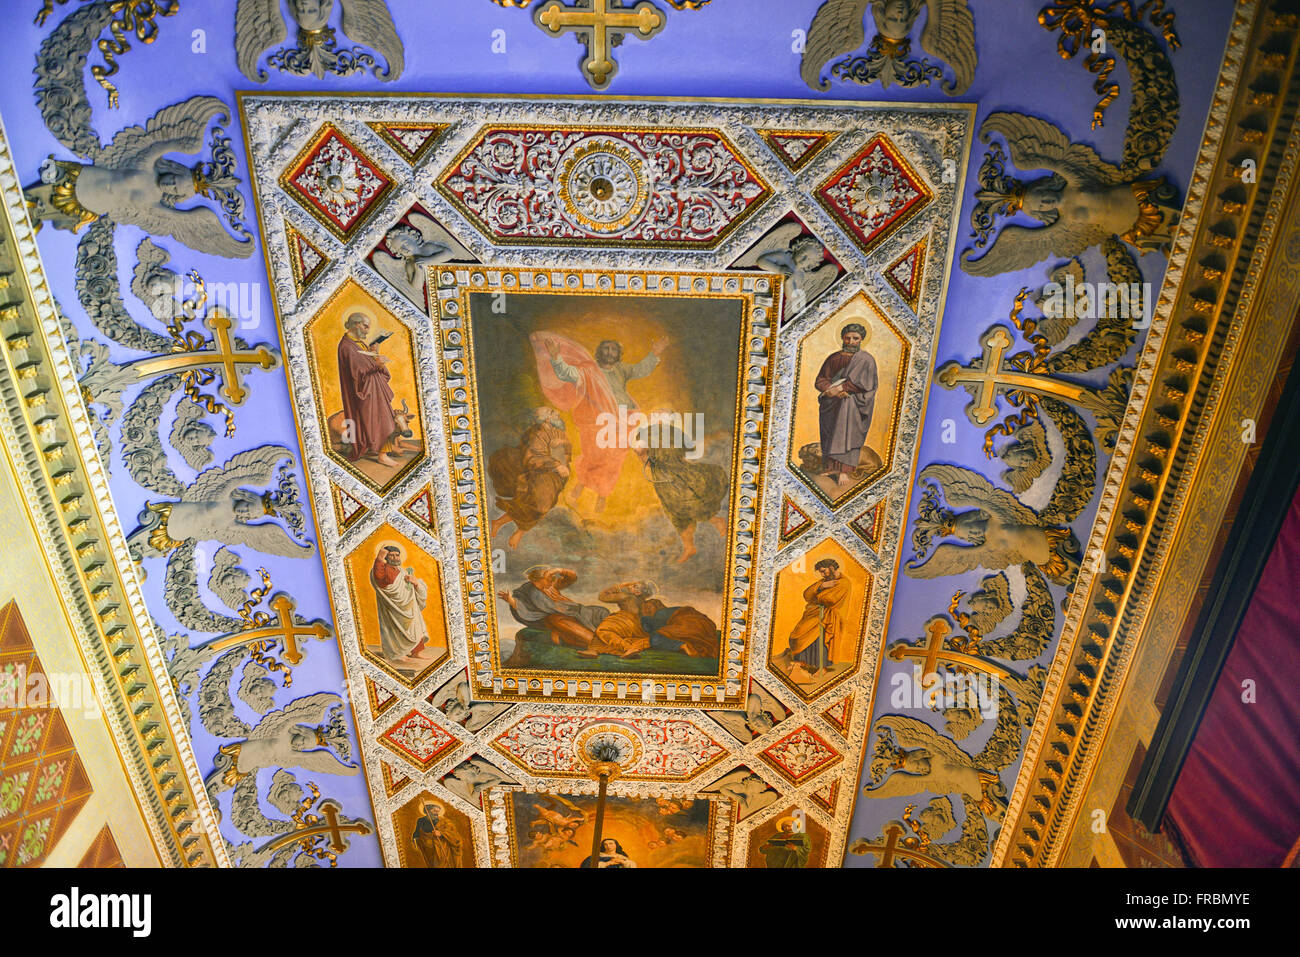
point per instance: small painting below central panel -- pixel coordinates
(616, 452)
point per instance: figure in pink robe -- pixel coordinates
(591, 390)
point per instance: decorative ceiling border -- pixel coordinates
(47, 429)
(1190, 359)
(457, 749)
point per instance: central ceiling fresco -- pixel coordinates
(643, 453)
(618, 494)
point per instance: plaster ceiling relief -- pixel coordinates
(699, 433)
(601, 497)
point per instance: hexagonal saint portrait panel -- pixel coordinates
(366, 387)
(819, 617)
(396, 590)
(788, 839)
(429, 832)
(849, 382)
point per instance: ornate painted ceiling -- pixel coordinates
(767, 403)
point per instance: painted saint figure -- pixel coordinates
(611, 855)
(438, 841)
(540, 603)
(529, 477)
(592, 390)
(846, 385)
(621, 633)
(367, 418)
(401, 597)
(818, 638)
(788, 847)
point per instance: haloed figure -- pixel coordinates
(364, 383)
(611, 855)
(847, 386)
(592, 389)
(529, 477)
(819, 638)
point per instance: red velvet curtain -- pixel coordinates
(1236, 802)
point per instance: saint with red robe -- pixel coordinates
(401, 599)
(367, 396)
(592, 389)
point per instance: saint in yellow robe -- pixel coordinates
(825, 617)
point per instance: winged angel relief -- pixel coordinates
(259, 26)
(1083, 201)
(839, 29)
(132, 181)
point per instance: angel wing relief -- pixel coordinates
(259, 26)
(838, 30)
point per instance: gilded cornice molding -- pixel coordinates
(47, 429)
(1228, 281)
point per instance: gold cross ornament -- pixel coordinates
(933, 652)
(987, 376)
(330, 827)
(221, 356)
(890, 849)
(286, 631)
(600, 25)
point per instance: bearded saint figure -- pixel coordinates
(403, 636)
(821, 635)
(529, 477)
(592, 389)
(846, 384)
(364, 383)
(439, 844)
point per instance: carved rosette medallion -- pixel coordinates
(602, 185)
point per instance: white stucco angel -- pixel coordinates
(790, 251)
(990, 528)
(838, 28)
(219, 506)
(259, 25)
(409, 250)
(1083, 201)
(296, 736)
(131, 182)
(913, 758)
